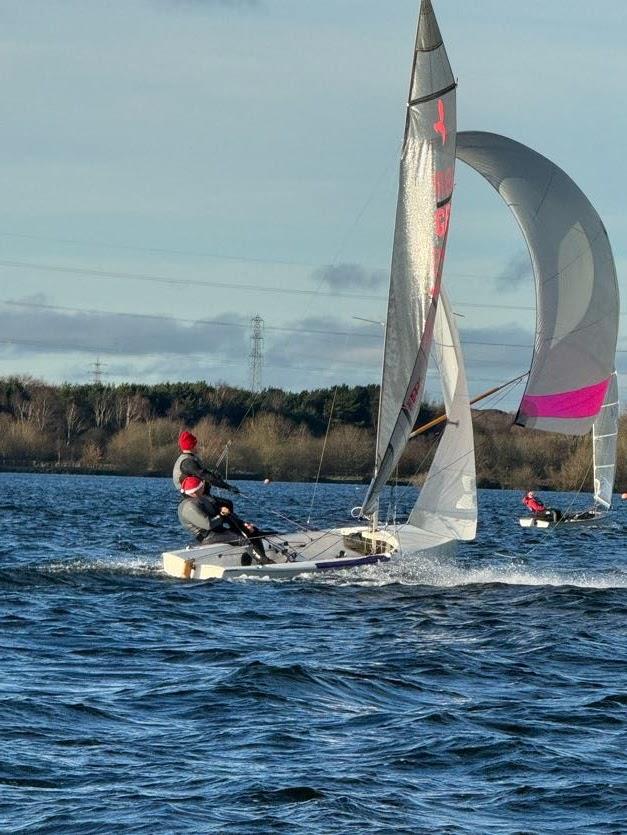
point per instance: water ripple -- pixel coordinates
(481, 694)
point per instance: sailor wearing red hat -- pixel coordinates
(188, 464)
(210, 520)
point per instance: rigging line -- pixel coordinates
(393, 163)
(324, 446)
(214, 445)
(303, 528)
(236, 431)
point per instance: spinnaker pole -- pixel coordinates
(437, 421)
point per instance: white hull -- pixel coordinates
(586, 518)
(299, 553)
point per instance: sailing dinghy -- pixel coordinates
(419, 321)
(604, 440)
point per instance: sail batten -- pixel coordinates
(422, 219)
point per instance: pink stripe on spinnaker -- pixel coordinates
(579, 403)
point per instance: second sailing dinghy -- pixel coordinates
(604, 439)
(419, 319)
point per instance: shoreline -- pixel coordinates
(69, 469)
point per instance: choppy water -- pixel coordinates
(487, 695)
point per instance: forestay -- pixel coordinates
(422, 220)
(576, 286)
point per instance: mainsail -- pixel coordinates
(447, 504)
(604, 438)
(576, 286)
(422, 219)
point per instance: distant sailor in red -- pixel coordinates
(538, 508)
(532, 503)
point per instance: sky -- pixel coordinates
(170, 169)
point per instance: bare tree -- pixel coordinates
(102, 407)
(73, 423)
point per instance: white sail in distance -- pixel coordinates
(604, 440)
(422, 219)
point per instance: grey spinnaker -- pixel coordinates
(422, 219)
(576, 286)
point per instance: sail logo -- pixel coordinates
(440, 125)
(412, 397)
(441, 218)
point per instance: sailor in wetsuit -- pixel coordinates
(538, 508)
(189, 464)
(209, 520)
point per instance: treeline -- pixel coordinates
(274, 434)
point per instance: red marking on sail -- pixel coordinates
(410, 402)
(443, 183)
(440, 125)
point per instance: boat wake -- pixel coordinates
(445, 573)
(77, 570)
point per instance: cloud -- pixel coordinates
(516, 271)
(327, 343)
(32, 327)
(228, 4)
(508, 347)
(349, 277)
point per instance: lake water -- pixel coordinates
(484, 695)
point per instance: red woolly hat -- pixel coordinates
(187, 441)
(191, 485)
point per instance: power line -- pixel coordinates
(190, 282)
(221, 323)
(218, 256)
(262, 288)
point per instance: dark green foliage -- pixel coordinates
(280, 434)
